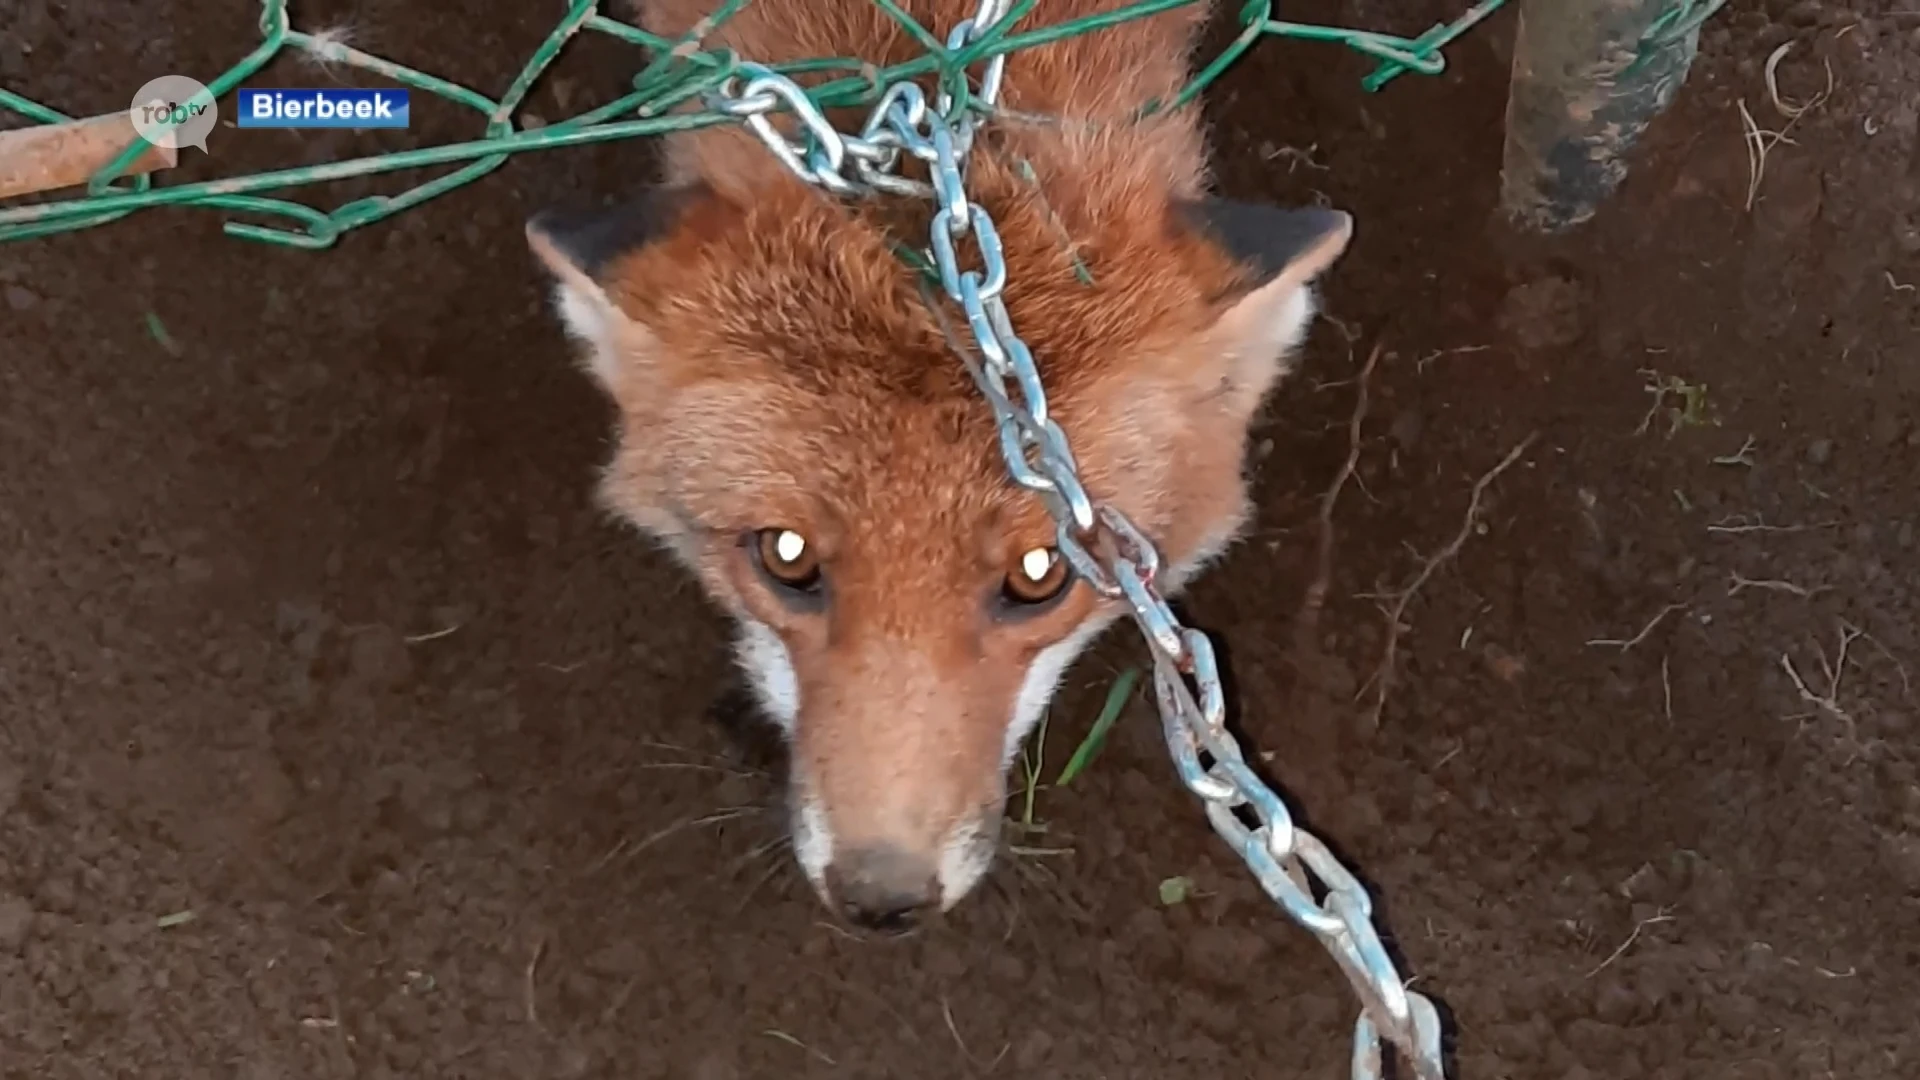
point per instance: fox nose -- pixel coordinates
(883, 888)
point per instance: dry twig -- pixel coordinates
(628, 849)
(776, 1033)
(1624, 644)
(1906, 680)
(946, 1011)
(1738, 525)
(1759, 142)
(1740, 582)
(1307, 623)
(1742, 456)
(1835, 672)
(1382, 679)
(1638, 929)
(1788, 109)
(533, 962)
(1460, 350)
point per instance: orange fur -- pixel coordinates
(775, 367)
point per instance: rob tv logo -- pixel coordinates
(336, 108)
(173, 111)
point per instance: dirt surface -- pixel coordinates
(341, 736)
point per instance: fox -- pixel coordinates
(795, 430)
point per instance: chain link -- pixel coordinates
(1105, 548)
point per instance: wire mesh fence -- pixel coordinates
(673, 74)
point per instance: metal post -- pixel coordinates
(1588, 77)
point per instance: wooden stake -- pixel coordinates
(51, 156)
(1585, 85)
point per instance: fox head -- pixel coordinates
(796, 429)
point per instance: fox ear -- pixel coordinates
(1284, 252)
(579, 246)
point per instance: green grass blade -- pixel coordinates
(1083, 754)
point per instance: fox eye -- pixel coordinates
(1039, 576)
(788, 558)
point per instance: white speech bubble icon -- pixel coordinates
(174, 111)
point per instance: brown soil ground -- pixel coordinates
(310, 628)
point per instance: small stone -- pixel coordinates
(943, 963)
(21, 298)
(1544, 314)
(269, 790)
(434, 814)
(1007, 969)
(1034, 1050)
(1225, 958)
(11, 780)
(289, 618)
(193, 571)
(1806, 13)
(1802, 192)
(1820, 452)
(378, 657)
(57, 893)
(621, 959)
(572, 1061)
(1906, 234)
(472, 812)
(16, 922)
(1504, 665)
(1616, 1004)
(1642, 884)
(1406, 428)
(720, 1064)
(390, 884)
(452, 614)
(1888, 425)
(1901, 852)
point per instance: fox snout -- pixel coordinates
(899, 747)
(885, 851)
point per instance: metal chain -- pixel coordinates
(1101, 544)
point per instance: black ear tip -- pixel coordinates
(591, 237)
(1339, 224)
(560, 222)
(1269, 238)
(1333, 221)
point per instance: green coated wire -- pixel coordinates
(677, 71)
(1670, 28)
